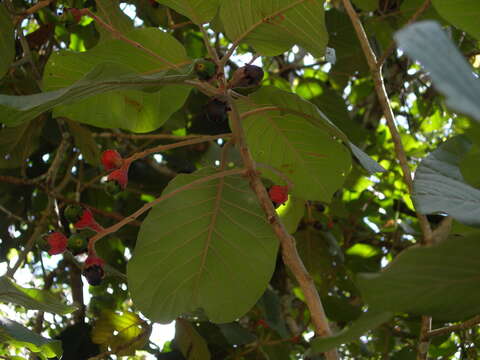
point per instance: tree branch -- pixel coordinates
(448, 329)
(290, 254)
(376, 71)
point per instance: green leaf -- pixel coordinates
(469, 166)
(85, 142)
(189, 341)
(274, 26)
(16, 334)
(367, 321)
(271, 309)
(7, 40)
(110, 13)
(32, 298)
(439, 186)
(366, 5)
(236, 334)
(207, 247)
(462, 14)
(270, 99)
(123, 333)
(427, 43)
(442, 281)
(113, 65)
(199, 11)
(291, 213)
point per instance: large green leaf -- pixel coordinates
(439, 185)
(16, 334)
(199, 11)
(442, 280)
(132, 110)
(463, 14)
(32, 298)
(367, 321)
(270, 99)
(207, 247)
(427, 43)
(7, 40)
(190, 342)
(274, 26)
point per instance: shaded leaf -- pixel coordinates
(199, 11)
(19, 142)
(123, 333)
(110, 12)
(189, 341)
(236, 334)
(7, 40)
(439, 186)
(427, 43)
(469, 166)
(367, 321)
(442, 281)
(207, 247)
(32, 298)
(274, 26)
(16, 334)
(271, 308)
(463, 14)
(84, 141)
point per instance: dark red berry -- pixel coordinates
(247, 76)
(111, 160)
(57, 243)
(93, 270)
(278, 194)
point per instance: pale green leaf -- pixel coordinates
(191, 344)
(451, 74)
(16, 334)
(292, 213)
(439, 185)
(442, 281)
(463, 14)
(33, 299)
(199, 11)
(208, 247)
(123, 333)
(367, 321)
(7, 40)
(274, 26)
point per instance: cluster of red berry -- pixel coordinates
(117, 180)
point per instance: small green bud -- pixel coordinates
(112, 187)
(77, 242)
(73, 213)
(205, 69)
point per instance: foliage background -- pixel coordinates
(349, 225)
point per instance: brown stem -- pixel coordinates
(376, 71)
(290, 254)
(414, 18)
(448, 329)
(144, 136)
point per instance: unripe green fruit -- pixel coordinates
(77, 242)
(73, 213)
(112, 187)
(205, 69)
(42, 242)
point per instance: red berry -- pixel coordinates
(278, 194)
(111, 160)
(87, 221)
(120, 176)
(93, 270)
(57, 243)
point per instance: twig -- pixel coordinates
(290, 254)
(145, 136)
(149, 205)
(448, 329)
(376, 71)
(31, 10)
(211, 51)
(12, 215)
(392, 46)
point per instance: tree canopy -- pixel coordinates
(290, 179)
